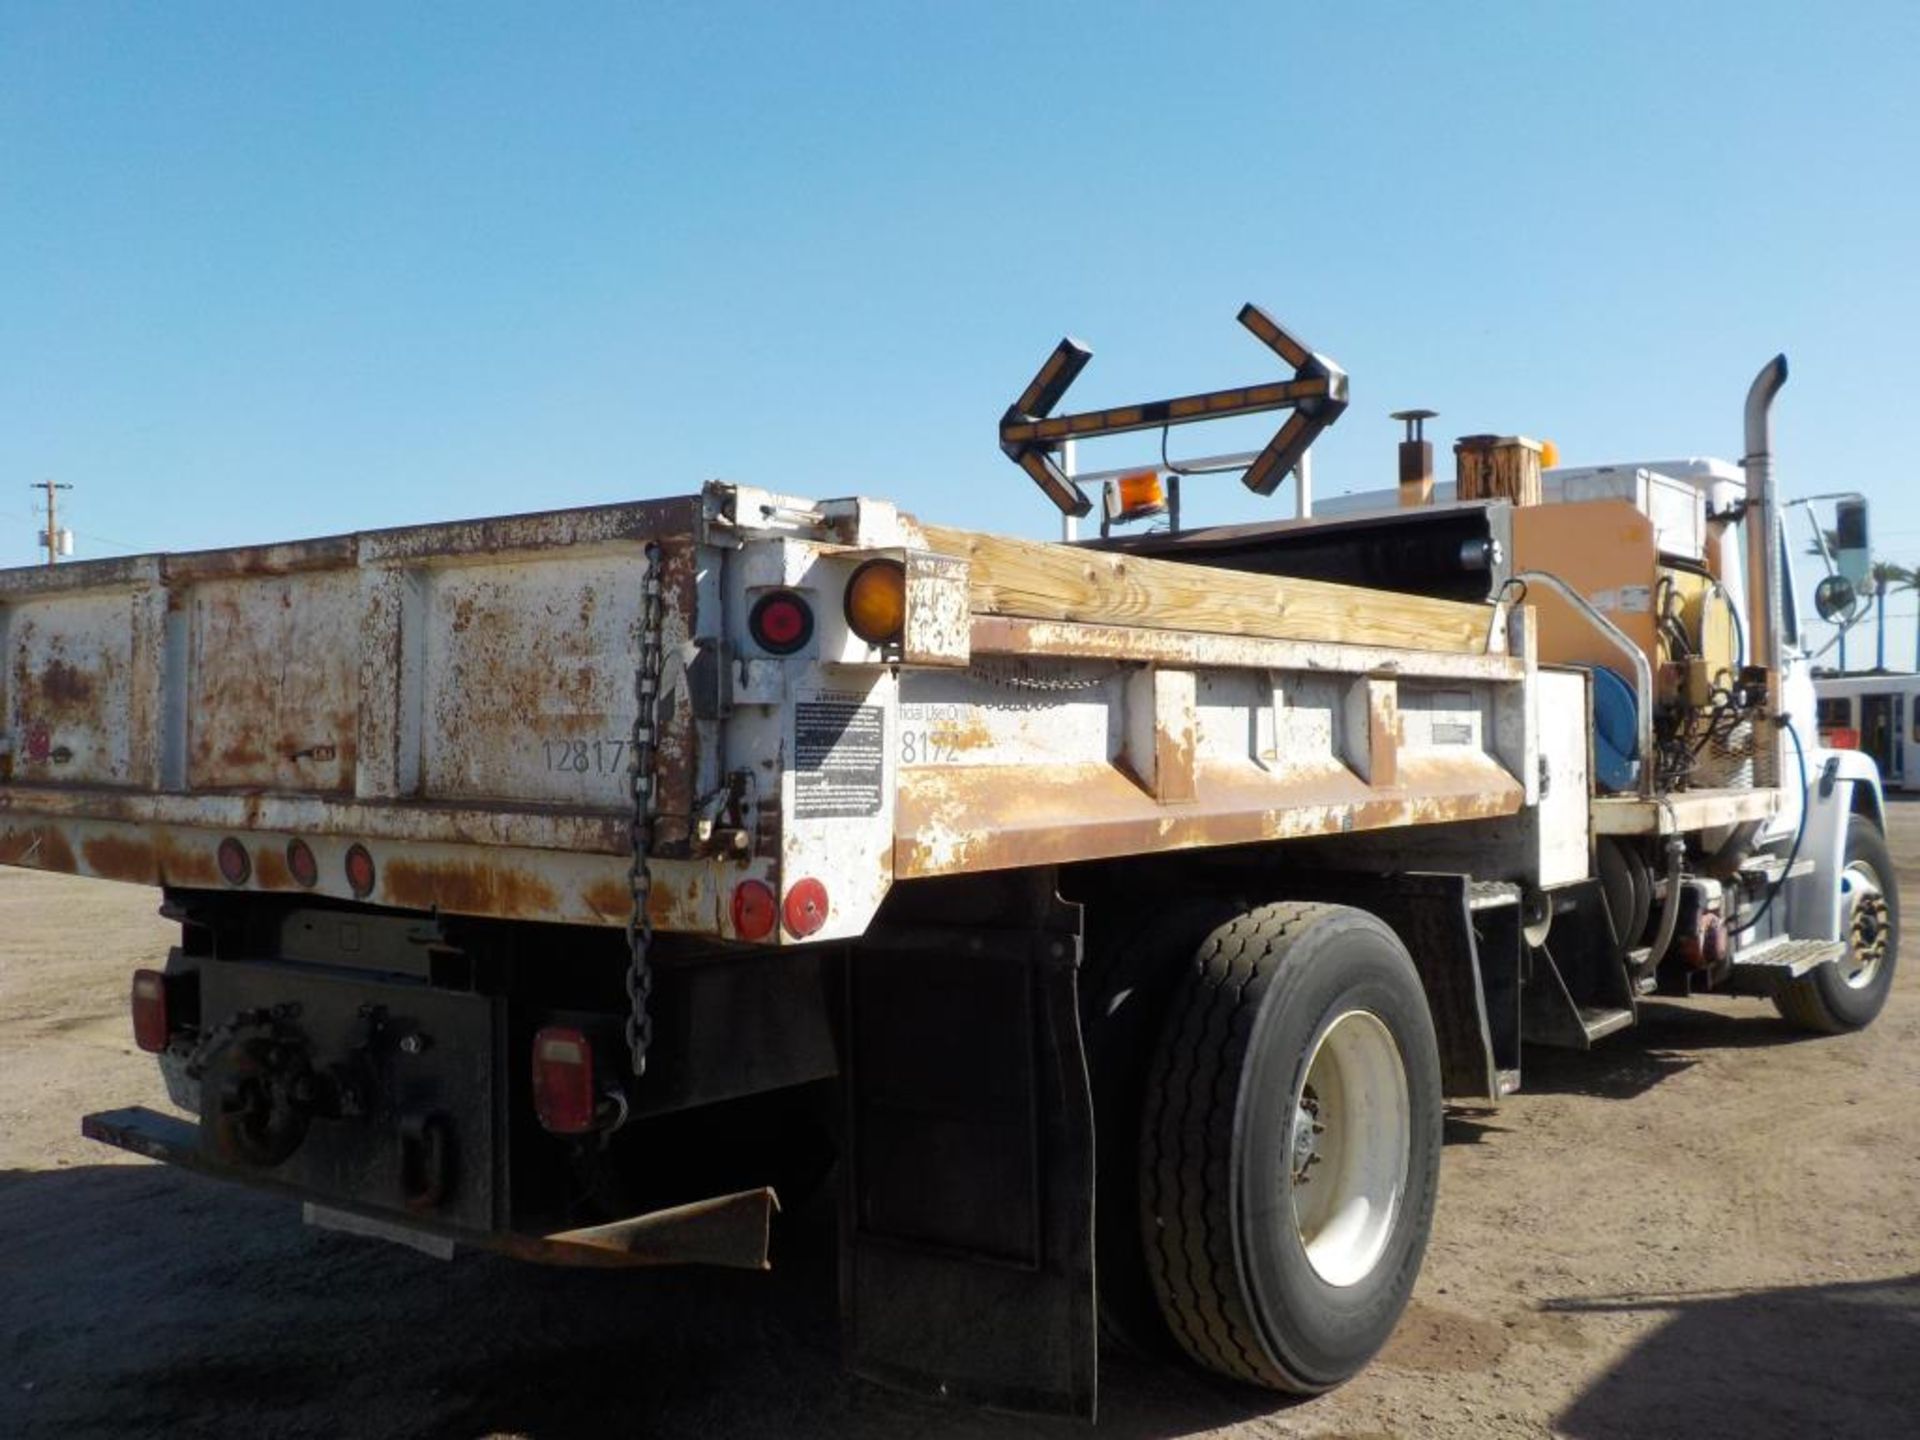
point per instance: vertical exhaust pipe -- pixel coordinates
(1763, 561)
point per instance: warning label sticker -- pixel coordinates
(839, 759)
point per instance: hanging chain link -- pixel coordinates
(640, 782)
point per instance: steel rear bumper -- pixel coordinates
(726, 1230)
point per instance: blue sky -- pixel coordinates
(271, 270)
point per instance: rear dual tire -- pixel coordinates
(1289, 1147)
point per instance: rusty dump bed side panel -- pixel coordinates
(458, 700)
(1136, 741)
(458, 697)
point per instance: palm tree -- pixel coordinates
(1887, 578)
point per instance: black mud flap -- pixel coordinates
(967, 1262)
(1467, 953)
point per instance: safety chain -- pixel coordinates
(640, 781)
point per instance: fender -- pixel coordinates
(1840, 783)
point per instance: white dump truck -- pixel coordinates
(1105, 923)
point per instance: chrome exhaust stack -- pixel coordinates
(1762, 511)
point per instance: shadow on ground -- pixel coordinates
(1667, 1040)
(1825, 1360)
(145, 1301)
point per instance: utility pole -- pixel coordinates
(52, 538)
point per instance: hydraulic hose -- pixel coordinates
(1670, 908)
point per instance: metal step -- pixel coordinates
(1789, 958)
(1598, 1021)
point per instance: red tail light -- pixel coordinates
(235, 864)
(301, 864)
(780, 622)
(151, 1026)
(360, 874)
(563, 1093)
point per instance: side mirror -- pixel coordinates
(1834, 598)
(1852, 549)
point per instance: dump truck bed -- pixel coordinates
(458, 702)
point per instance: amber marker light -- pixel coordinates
(877, 602)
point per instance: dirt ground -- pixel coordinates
(1706, 1227)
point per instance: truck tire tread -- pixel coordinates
(1187, 1137)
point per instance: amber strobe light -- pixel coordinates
(1141, 494)
(780, 622)
(563, 1080)
(150, 1023)
(877, 602)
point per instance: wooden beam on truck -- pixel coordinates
(1040, 581)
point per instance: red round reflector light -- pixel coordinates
(754, 910)
(360, 873)
(301, 864)
(780, 622)
(806, 907)
(236, 866)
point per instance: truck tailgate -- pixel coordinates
(468, 684)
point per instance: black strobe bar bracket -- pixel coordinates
(1030, 434)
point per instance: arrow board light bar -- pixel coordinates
(1031, 434)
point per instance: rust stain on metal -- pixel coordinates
(253, 561)
(527, 826)
(275, 692)
(965, 818)
(181, 864)
(41, 847)
(64, 686)
(1383, 731)
(270, 867)
(962, 735)
(613, 902)
(466, 887)
(120, 857)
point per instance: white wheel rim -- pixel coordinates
(1865, 908)
(1352, 1132)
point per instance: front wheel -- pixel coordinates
(1849, 993)
(1290, 1146)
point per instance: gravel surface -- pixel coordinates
(1705, 1227)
